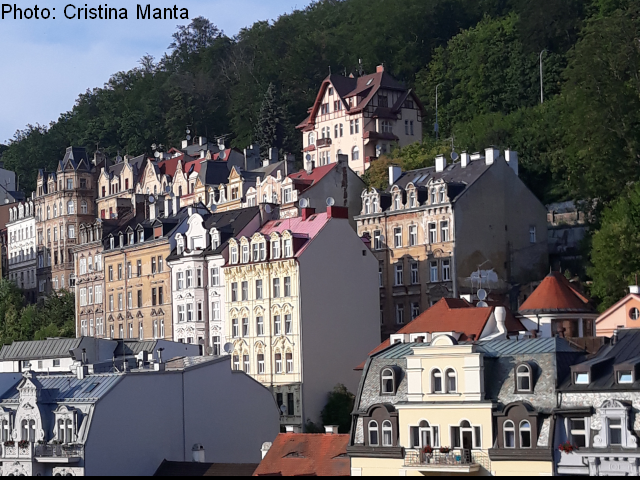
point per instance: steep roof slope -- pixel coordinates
(556, 295)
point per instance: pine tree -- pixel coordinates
(269, 131)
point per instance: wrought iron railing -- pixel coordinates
(59, 451)
(454, 458)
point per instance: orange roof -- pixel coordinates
(452, 315)
(300, 454)
(556, 295)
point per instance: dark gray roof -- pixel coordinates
(214, 172)
(68, 388)
(40, 349)
(134, 347)
(497, 348)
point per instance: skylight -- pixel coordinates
(91, 387)
(370, 82)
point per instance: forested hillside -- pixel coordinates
(581, 143)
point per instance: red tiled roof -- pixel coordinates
(299, 454)
(452, 315)
(302, 229)
(556, 295)
(316, 175)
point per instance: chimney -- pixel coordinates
(84, 356)
(501, 317)
(307, 212)
(266, 446)
(203, 153)
(464, 159)
(441, 163)
(251, 157)
(292, 429)
(635, 289)
(82, 371)
(338, 212)
(512, 159)
(167, 206)
(273, 155)
(289, 164)
(614, 338)
(160, 350)
(395, 172)
(185, 144)
(380, 69)
(198, 453)
(202, 141)
(153, 210)
(491, 154)
(331, 429)
(308, 166)
(190, 210)
(176, 204)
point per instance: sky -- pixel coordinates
(46, 64)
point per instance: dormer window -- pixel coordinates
(367, 207)
(121, 240)
(131, 238)
(452, 381)
(523, 378)
(442, 194)
(234, 255)
(412, 199)
(288, 252)
(111, 243)
(624, 376)
(256, 252)
(275, 249)
(375, 205)
(509, 434)
(245, 253)
(396, 200)
(434, 196)
(387, 382)
(215, 239)
(581, 378)
(180, 244)
(263, 251)
(141, 236)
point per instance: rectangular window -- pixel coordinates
(413, 235)
(245, 327)
(260, 363)
(258, 289)
(139, 268)
(160, 265)
(397, 237)
(433, 234)
(189, 312)
(130, 300)
(235, 328)
(120, 301)
(139, 298)
(234, 292)
(153, 265)
(111, 273)
(276, 288)
(615, 431)
(260, 326)
(415, 280)
(446, 270)
(278, 363)
(377, 240)
(381, 274)
(477, 437)
(216, 346)
(245, 291)
(277, 330)
(199, 278)
(444, 231)
(289, 358)
(154, 297)
(215, 307)
(288, 324)
(287, 286)
(98, 292)
(245, 361)
(433, 271)
(415, 310)
(119, 271)
(400, 314)
(398, 275)
(189, 278)
(578, 432)
(180, 313)
(215, 276)
(160, 296)
(236, 363)
(532, 234)
(111, 303)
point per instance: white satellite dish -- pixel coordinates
(156, 154)
(188, 137)
(209, 350)
(267, 208)
(454, 156)
(330, 202)
(151, 199)
(188, 131)
(283, 409)
(222, 155)
(482, 294)
(228, 347)
(482, 305)
(304, 203)
(308, 157)
(213, 208)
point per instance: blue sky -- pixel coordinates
(45, 64)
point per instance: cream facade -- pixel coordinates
(21, 248)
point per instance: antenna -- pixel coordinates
(222, 154)
(330, 202)
(151, 199)
(228, 347)
(482, 294)
(304, 203)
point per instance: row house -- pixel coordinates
(63, 199)
(292, 288)
(198, 283)
(450, 230)
(362, 117)
(137, 288)
(62, 424)
(116, 186)
(444, 406)
(22, 248)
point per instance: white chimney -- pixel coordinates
(331, 429)
(491, 154)
(266, 446)
(292, 429)
(308, 166)
(273, 155)
(167, 206)
(202, 141)
(153, 211)
(395, 172)
(464, 159)
(185, 144)
(635, 289)
(512, 159)
(176, 205)
(198, 453)
(441, 163)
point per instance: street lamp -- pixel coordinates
(541, 80)
(436, 127)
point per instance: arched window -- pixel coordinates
(55, 210)
(452, 383)
(412, 199)
(436, 381)
(6, 432)
(367, 207)
(525, 434)
(25, 430)
(373, 433)
(509, 434)
(425, 434)
(70, 208)
(375, 205)
(83, 207)
(312, 138)
(442, 195)
(523, 378)
(355, 154)
(387, 434)
(387, 381)
(396, 200)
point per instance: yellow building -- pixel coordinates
(116, 187)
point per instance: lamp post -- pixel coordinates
(436, 127)
(541, 80)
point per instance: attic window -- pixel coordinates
(370, 82)
(312, 218)
(277, 224)
(581, 378)
(625, 376)
(91, 387)
(634, 314)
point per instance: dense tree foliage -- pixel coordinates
(338, 409)
(54, 317)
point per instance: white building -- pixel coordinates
(198, 278)
(21, 248)
(129, 423)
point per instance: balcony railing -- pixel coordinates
(12, 450)
(59, 451)
(456, 460)
(323, 142)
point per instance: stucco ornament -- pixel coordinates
(616, 411)
(28, 409)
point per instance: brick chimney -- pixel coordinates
(338, 212)
(307, 212)
(380, 69)
(331, 429)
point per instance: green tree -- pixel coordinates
(614, 253)
(338, 409)
(270, 127)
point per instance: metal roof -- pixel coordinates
(400, 350)
(496, 348)
(39, 349)
(67, 388)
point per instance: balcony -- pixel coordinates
(13, 450)
(59, 453)
(457, 462)
(323, 142)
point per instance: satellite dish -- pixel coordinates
(222, 155)
(267, 208)
(308, 157)
(188, 137)
(153, 146)
(209, 350)
(151, 199)
(167, 189)
(330, 202)
(283, 409)
(304, 203)
(213, 208)
(228, 347)
(482, 305)
(188, 131)
(482, 294)
(156, 154)
(454, 156)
